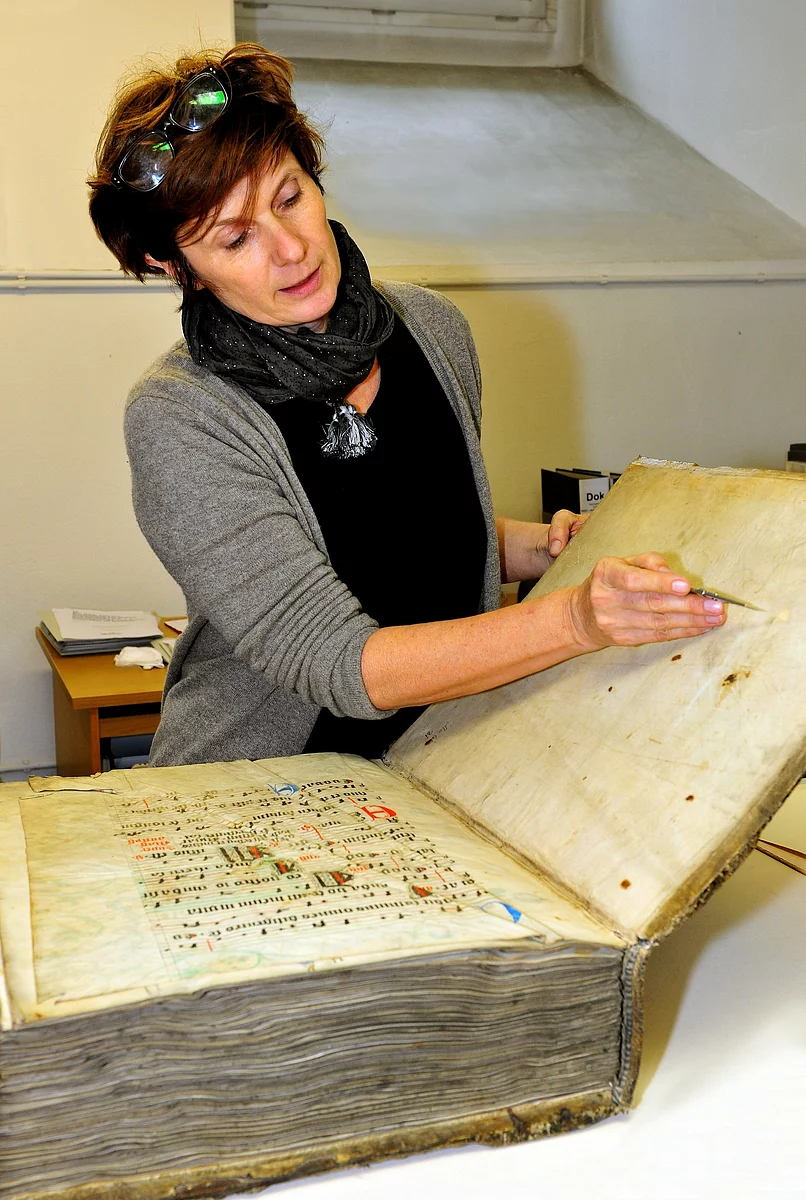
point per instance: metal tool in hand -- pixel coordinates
(710, 594)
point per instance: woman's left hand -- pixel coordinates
(527, 549)
(564, 525)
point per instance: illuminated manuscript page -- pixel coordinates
(176, 879)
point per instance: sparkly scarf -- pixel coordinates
(275, 364)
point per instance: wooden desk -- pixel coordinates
(94, 699)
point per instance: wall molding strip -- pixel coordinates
(481, 275)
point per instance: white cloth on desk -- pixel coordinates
(139, 656)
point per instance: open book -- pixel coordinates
(218, 976)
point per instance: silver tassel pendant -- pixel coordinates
(349, 434)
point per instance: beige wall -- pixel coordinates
(69, 535)
(81, 48)
(726, 75)
(68, 358)
(592, 376)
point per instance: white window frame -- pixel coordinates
(481, 32)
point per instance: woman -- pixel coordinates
(306, 464)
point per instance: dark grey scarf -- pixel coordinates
(276, 364)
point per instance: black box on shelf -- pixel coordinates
(796, 457)
(577, 489)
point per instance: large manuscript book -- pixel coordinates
(214, 977)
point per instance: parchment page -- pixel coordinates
(16, 961)
(161, 885)
(633, 776)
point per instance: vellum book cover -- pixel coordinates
(219, 976)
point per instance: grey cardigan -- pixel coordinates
(274, 635)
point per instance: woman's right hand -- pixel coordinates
(632, 601)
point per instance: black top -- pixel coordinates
(403, 525)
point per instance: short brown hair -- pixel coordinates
(259, 126)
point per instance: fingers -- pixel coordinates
(661, 624)
(663, 604)
(644, 573)
(577, 523)
(647, 582)
(653, 585)
(642, 637)
(561, 529)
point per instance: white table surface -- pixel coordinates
(721, 1098)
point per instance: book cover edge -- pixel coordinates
(499, 1127)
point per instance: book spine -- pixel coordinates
(632, 1021)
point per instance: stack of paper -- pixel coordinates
(89, 631)
(165, 645)
(180, 624)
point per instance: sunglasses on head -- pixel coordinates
(200, 103)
